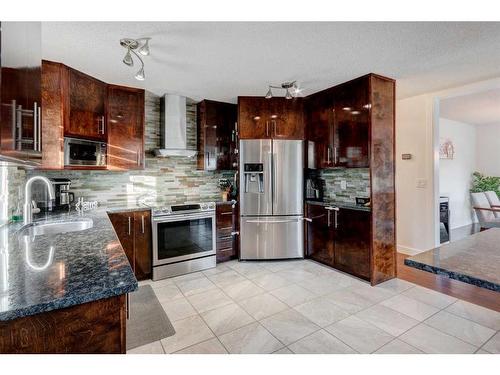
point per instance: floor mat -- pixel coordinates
(148, 321)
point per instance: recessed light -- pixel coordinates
(256, 118)
(355, 112)
(347, 108)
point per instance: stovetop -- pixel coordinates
(181, 209)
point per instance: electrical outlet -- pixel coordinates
(343, 184)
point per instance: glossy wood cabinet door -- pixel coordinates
(226, 229)
(86, 114)
(142, 244)
(20, 91)
(123, 223)
(319, 111)
(278, 118)
(352, 242)
(125, 119)
(217, 145)
(253, 117)
(286, 118)
(352, 124)
(320, 234)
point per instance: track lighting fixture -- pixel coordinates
(140, 45)
(291, 90)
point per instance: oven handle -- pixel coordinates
(166, 219)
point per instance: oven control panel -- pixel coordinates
(184, 208)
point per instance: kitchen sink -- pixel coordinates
(58, 227)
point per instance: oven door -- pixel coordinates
(182, 237)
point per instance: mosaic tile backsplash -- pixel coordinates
(357, 183)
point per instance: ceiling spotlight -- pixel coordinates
(144, 49)
(127, 60)
(133, 46)
(269, 94)
(140, 74)
(347, 108)
(291, 90)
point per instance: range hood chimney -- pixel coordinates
(173, 127)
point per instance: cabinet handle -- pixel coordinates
(335, 155)
(328, 154)
(128, 306)
(35, 127)
(103, 125)
(335, 218)
(39, 120)
(307, 219)
(19, 126)
(129, 225)
(226, 213)
(267, 128)
(328, 216)
(142, 220)
(235, 233)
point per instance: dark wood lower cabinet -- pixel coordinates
(340, 239)
(94, 327)
(226, 231)
(133, 229)
(352, 242)
(319, 235)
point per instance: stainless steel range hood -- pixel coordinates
(173, 127)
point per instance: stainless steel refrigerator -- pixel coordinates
(271, 199)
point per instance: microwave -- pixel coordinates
(82, 152)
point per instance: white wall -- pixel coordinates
(455, 174)
(414, 205)
(488, 149)
(416, 133)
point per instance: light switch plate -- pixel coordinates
(421, 183)
(343, 184)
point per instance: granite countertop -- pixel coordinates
(49, 272)
(474, 260)
(345, 205)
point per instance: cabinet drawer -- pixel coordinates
(225, 254)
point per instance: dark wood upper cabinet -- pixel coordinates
(79, 106)
(338, 122)
(86, 108)
(319, 113)
(20, 91)
(253, 117)
(320, 245)
(352, 242)
(351, 124)
(278, 118)
(125, 120)
(217, 135)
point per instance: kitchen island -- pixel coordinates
(64, 292)
(474, 260)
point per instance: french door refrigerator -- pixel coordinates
(271, 199)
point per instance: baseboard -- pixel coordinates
(408, 250)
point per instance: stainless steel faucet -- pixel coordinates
(28, 214)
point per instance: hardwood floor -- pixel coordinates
(455, 288)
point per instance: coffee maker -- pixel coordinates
(63, 197)
(314, 186)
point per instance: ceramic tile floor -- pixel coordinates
(304, 307)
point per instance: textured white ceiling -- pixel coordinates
(477, 109)
(221, 60)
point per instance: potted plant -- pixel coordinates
(225, 187)
(481, 183)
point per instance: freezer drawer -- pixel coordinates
(271, 237)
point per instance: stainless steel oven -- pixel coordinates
(184, 239)
(82, 152)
